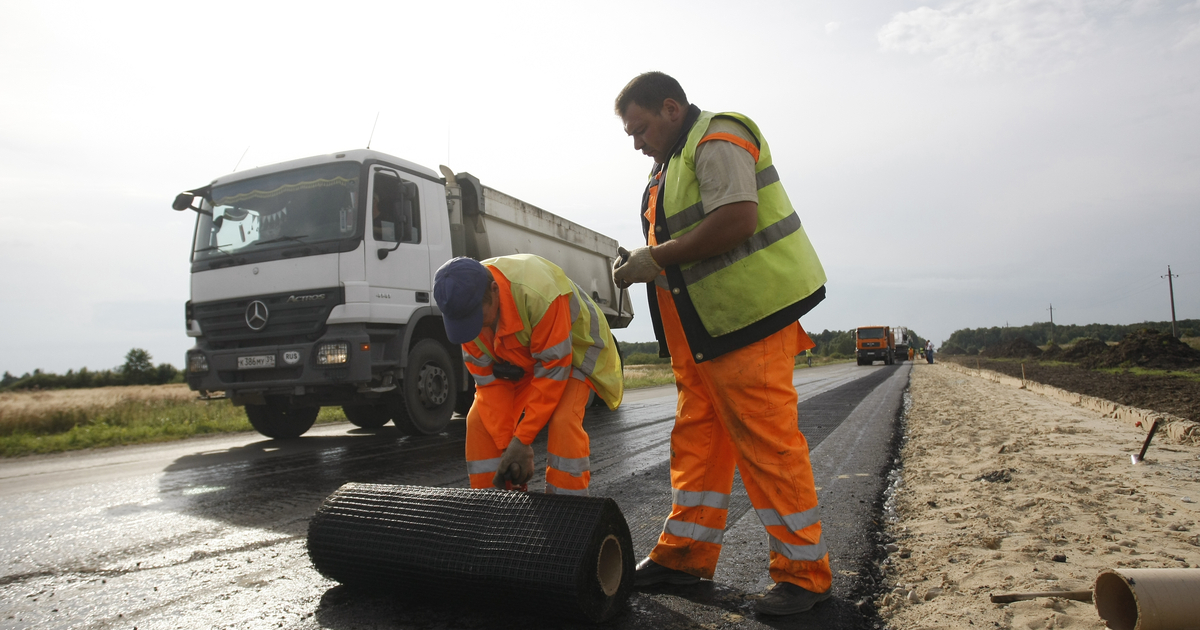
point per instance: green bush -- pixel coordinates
(645, 358)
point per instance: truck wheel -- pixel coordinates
(367, 416)
(429, 393)
(280, 421)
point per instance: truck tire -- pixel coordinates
(367, 416)
(279, 420)
(429, 391)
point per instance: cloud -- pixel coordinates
(832, 27)
(1190, 38)
(1038, 36)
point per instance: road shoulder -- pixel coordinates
(1004, 490)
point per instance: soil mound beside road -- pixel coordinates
(1083, 349)
(1019, 348)
(1176, 395)
(1147, 349)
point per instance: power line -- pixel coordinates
(1171, 287)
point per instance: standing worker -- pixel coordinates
(929, 351)
(730, 271)
(536, 345)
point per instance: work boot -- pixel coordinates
(649, 573)
(786, 598)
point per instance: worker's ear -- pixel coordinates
(671, 110)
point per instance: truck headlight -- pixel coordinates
(197, 363)
(333, 353)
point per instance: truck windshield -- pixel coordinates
(870, 333)
(306, 206)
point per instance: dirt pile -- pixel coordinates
(1176, 395)
(1147, 349)
(1019, 348)
(1083, 349)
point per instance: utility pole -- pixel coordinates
(1051, 323)
(1171, 288)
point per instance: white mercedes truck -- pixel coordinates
(312, 284)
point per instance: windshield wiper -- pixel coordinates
(283, 238)
(216, 247)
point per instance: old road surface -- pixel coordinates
(210, 532)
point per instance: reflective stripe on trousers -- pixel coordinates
(746, 393)
(568, 468)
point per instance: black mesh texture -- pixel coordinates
(533, 551)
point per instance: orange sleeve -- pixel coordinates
(728, 137)
(550, 346)
(496, 398)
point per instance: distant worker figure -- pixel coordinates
(536, 345)
(730, 270)
(808, 356)
(929, 351)
(911, 350)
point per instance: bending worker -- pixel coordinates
(536, 345)
(730, 271)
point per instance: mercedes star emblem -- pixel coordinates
(256, 315)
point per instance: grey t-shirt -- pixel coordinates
(725, 170)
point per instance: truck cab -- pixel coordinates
(874, 343)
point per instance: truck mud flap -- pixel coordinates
(567, 556)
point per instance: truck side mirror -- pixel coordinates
(383, 252)
(183, 201)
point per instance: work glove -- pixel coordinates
(516, 465)
(635, 266)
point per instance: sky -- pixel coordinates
(956, 164)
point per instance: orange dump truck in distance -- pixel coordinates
(874, 343)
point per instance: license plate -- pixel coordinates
(256, 362)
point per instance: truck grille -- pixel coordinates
(290, 318)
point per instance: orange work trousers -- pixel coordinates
(568, 467)
(739, 409)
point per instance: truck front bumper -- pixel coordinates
(335, 361)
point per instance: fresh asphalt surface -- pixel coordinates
(210, 532)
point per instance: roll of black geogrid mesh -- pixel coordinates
(564, 555)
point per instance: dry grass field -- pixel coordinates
(70, 419)
(13, 404)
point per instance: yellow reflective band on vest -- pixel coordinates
(536, 282)
(773, 269)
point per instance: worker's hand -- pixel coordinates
(516, 465)
(621, 259)
(641, 267)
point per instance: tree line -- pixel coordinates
(138, 369)
(972, 340)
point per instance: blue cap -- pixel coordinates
(458, 288)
